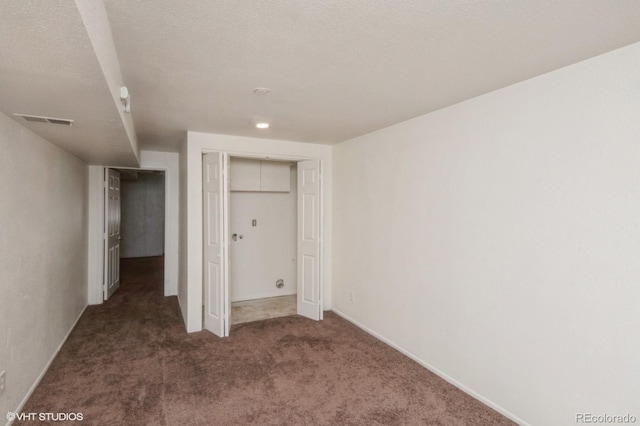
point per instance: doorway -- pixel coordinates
(217, 180)
(135, 224)
(143, 213)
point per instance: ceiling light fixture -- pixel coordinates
(262, 125)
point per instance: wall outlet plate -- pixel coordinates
(3, 375)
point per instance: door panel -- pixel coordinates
(112, 237)
(213, 308)
(309, 239)
(309, 283)
(215, 190)
(309, 233)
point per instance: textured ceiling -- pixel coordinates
(337, 69)
(48, 67)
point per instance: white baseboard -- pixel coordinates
(434, 370)
(46, 367)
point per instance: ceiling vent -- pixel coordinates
(51, 120)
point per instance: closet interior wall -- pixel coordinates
(265, 224)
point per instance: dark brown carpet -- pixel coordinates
(130, 361)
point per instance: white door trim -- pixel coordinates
(160, 161)
(95, 225)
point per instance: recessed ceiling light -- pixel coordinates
(262, 125)
(261, 91)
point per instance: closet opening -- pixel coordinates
(262, 247)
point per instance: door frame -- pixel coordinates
(225, 233)
(95, 272)
(191, 149)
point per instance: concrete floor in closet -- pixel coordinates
(261, 309)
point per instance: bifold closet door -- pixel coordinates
(309, 239)
(215, 199)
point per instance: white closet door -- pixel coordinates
(112, 237)
(309, 239)
(215, 198)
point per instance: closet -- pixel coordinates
(263, 239)
(269, 230)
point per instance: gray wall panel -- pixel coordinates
(143, 215)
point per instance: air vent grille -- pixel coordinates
(51, 120)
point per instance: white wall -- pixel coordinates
(267, 252)
(170, 163)
(142, 211)
(43, 255)
(96, 22)
(191, 257)
(497, 240)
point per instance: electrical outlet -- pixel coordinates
(2, 381)
(351, 296)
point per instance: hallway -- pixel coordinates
(110, 368)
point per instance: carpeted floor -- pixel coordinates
(130, 362)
